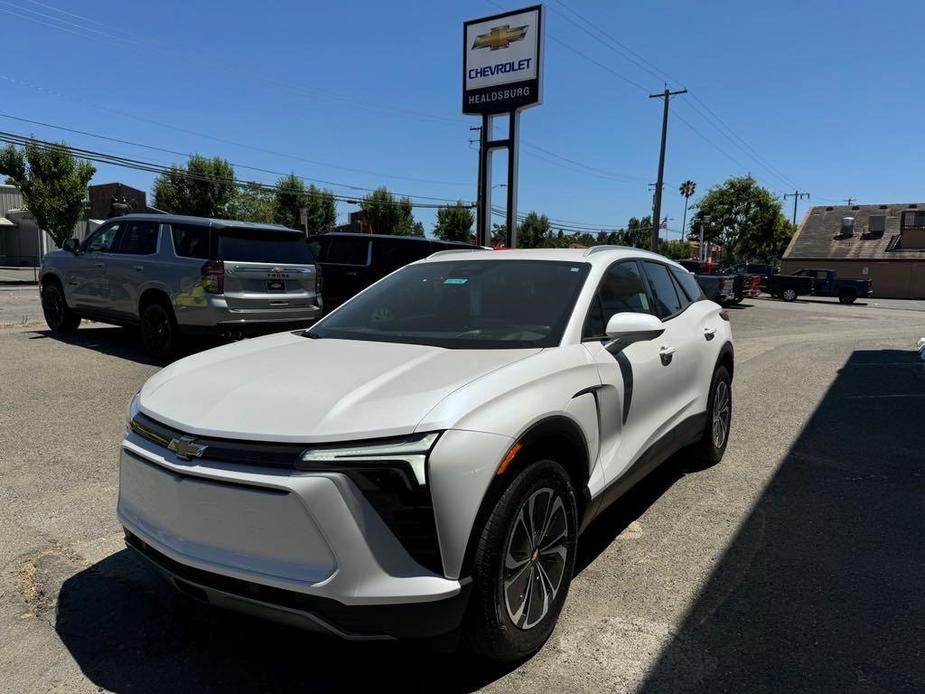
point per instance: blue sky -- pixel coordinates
(825, 96)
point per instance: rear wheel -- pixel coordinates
(159, 332)
(847, 296)
(523, 565)
(789, 294)
(712, 444)
(57, 314)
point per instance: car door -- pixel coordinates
(638, 382)
(87, 281)
(130, 265)
(345, 268)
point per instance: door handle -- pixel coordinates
(350, 274)
(99, 264)
(139, 268)
(666, 354)
(709, 333)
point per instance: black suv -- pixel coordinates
(351, 262)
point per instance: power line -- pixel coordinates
(139, 165)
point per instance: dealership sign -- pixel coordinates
(502, 61)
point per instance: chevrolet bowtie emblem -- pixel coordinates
(185, 447)
(500, 37)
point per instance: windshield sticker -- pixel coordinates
(456, 280)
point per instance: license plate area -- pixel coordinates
(276, 285)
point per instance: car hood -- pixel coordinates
(291, 388)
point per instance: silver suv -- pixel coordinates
(173, 275)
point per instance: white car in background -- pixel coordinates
(422, 460)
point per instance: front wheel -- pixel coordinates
(789, 295)
(523, 565)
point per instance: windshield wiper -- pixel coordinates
(310, 334)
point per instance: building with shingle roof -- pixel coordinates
(883, 243)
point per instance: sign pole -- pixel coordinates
(483, 227)
(512, 179)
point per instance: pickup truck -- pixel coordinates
(718, 288)
(818, 283)
(828, 283)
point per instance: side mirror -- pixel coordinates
(624, 329)
(71, 246)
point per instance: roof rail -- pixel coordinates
(598, 249)
(450, 251)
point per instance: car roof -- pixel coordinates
(210, 221)
(596, 255)
(414, 239)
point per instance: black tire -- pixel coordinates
(494, 628)
(709, 449)
(58, 316)
(789, 294)
(734, 302)
(159, 333)
(847, 296)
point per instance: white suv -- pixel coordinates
(422, 460)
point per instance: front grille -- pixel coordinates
(390, 488)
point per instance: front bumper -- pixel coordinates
(354, 622)
(305, 548)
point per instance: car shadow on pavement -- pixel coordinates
(129, 631)
(821, 588)
(124, 343)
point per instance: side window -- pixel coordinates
(348, 251)
(319, 248)
(190, 240)
(621, 290)
(663, 290)
(102, 240)
(391, 254)
(688, 284)
(139, 238)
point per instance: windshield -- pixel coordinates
(475, 304)
(261, 246)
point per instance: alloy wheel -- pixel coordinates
(53, 307)
(535, 558)
(722, 413)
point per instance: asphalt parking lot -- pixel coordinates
(794, 565)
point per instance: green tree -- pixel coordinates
(292, 195)
(203, 188)
(253, 203)
(454, 222)
(745, 219)
(53, 184)
(386, 215)
(675, 249)
(687, 190)
(637, 233)
(534, 231)
(498, 234)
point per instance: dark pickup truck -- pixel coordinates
(817, 282)
(718, 288)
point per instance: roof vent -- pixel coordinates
(829, 208)
(913, 205)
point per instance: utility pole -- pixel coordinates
(659, 184)
(850, 201)
(797, 196)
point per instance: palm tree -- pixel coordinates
(687, 190)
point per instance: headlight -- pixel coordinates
(132, 410)
(412, 450)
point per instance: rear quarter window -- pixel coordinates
(190, 240)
